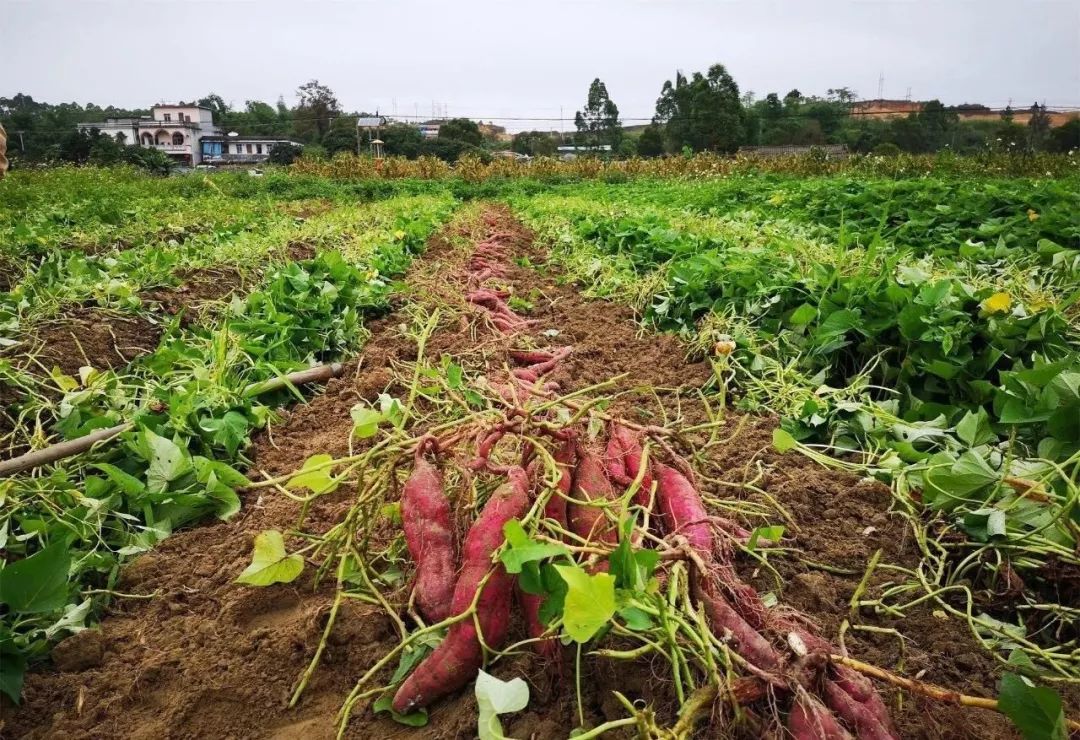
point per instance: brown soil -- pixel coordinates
(94, 336)
(197, 288)
(206, 657)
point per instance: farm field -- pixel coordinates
(697, 457)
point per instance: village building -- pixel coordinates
(188, 134)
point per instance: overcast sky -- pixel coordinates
(519, 58)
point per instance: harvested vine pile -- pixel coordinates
(510, 479)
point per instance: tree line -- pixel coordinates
(703, 111)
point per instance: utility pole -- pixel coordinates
(881, 85)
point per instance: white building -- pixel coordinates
(187, 134)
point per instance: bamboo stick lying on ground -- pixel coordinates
(71, 447)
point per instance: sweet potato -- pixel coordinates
(591, 484)
(457, 659)
(557, 504)
(681, 510)
(811, 720)
(548, 647)
(723, 618)
(425, 514)
(860, 715)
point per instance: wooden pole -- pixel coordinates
(60, 451)
(317, 374)
(77, 446)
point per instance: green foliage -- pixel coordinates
(67, 528)
(461, 129)
(598, 123)
(704, 112)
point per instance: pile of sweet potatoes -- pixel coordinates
(778, 646)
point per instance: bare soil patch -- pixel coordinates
(205, 657)
(93, 336)
(197, 288)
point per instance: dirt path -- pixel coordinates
(196, 655)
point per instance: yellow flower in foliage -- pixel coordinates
(997, 303)
(1033, 215)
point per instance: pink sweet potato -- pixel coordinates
(591, 523)
(456, 661)
(811, 720)
(681, 509)
(425, 514)
(548, 647)
(723, 618)
(557, 504)
(862, 716)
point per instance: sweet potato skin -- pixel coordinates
(456, 661)
(425, 514)
(623, 457)
(811, 720)
(722, 617)
(591, 484)
(681, 509)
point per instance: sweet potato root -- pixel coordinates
(681, 510)
(723, 619)
(811, 720)
(591, 484)
(425, 514)
(456, 661)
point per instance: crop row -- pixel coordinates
(952, 368)
(191, 405)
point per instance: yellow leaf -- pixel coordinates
(997, 303)
(1033, 215)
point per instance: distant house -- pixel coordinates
(832, 151)
(239, 149)
(430, 129)
(186, 133)
(571, 152)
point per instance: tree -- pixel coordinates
(1007, 114)
(534, 143)
(598, 123)
(702, 113)
(341, 137)
(284, 154)
(772, 109)
(651, 141)
(461, 129)
(401, 140)
(1038, 127)
(317, 108)
(216, 104)
(1065, 138)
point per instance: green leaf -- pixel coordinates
(802, 315)
(167, 461)
(453, 376)
(636, 619)
(974, 429)
(589, 603)
(1035, 710)
(365, 421)
(12, 670)
(495, 697)
(270, 563)
(391, 408)
(38, 583)
(772, 534)
(523, 549)
(129, 484)
(782, 441)
(317, 481)
(230, 431)
(385, 703)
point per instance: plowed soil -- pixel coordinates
(95, 337)
(197, 288)
(195, 655)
